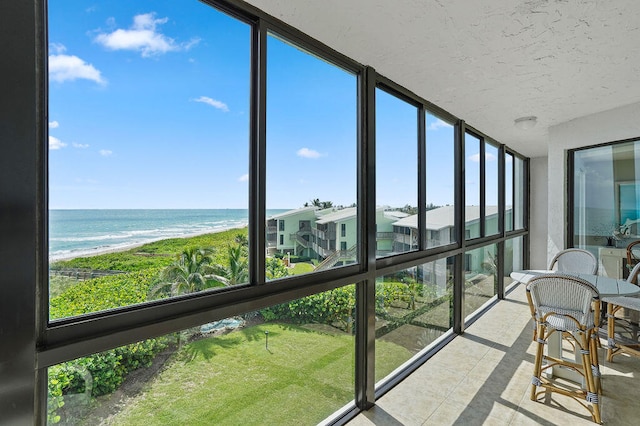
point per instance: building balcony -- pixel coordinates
(384, 235)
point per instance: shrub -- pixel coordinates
(103, 373)
(330, 307)
(103, 293)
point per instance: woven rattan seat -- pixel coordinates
(566, 305)
(562, 319)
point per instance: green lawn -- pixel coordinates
(302, 378)
(301, 268)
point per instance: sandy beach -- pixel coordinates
(126, 247)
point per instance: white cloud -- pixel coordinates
(105, 152)
(55, 143)
(214, 103)
(80, 145)
(487, 156)
(54, 124)
(68, 68)
(308, 153)
(143, 36)
(57, 48)
(438, 124)
(244, 178)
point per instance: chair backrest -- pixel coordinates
(633, 254)
(576, 261)
(557, 292)
(633, 275)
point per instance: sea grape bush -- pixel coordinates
(337, 306)
(98, 294)
(98, 374)
(333, 306)
(106, 369)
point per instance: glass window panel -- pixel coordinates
(413, 310)
(440, 215)
(311, 160)
(594, 196)
(472, 186)
(491, 189)
(519, 194)
(134, 161)
(280, 365)
(606, 194)
(513, 258)
(508, 192)
(396, 175)
(480, 278)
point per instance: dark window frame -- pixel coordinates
(24, 180)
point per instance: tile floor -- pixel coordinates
(483, 378)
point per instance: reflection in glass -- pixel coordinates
(311, 162)
(513, 258)
(137, 166)
(480, 277)
(396, 175)
(288, 364)
(508, 192)
(440, 215)
(519, 194)
(472, 186)
(413, 309)
(491, 189)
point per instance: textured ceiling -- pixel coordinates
(489, 62)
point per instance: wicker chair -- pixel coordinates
(629, 322)
(633, 255)
(574, 260)
(570, 306)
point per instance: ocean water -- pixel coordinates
(83, 232)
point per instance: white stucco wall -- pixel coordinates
(538, 232)
(608, 126)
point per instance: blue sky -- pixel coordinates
(149, 108)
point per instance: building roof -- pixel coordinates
(395, 214)
(339, 215)
(293, 212)
(443, 217)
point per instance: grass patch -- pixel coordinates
(301, 268)
(302, 378)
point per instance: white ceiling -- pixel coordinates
(489, 62)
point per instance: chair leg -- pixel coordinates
(537, 364)
(611, 332)
(595, 362)
(592, 396)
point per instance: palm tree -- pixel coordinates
(275, 268)
(241, 239)
(187, 274)
(237, 271)
(322, 204)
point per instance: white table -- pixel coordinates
(607, 287)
